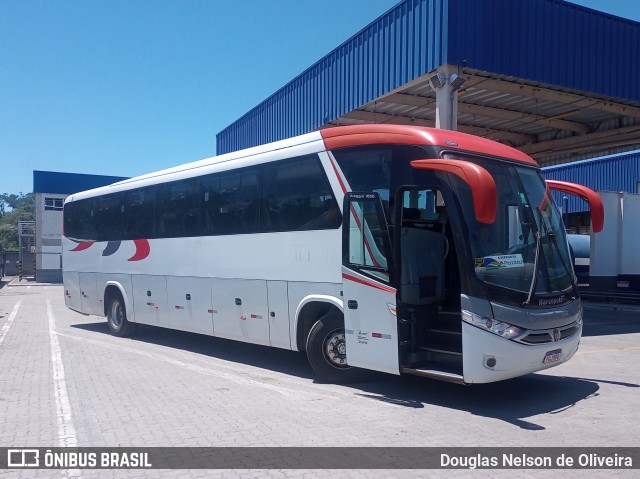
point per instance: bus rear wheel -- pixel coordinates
(326, 351)
(117, 317)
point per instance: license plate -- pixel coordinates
(552, 356)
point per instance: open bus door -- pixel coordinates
(371, 331)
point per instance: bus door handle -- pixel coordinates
(352, 304)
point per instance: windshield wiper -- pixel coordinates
(536, 233)
(534, 280)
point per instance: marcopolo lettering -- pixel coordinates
(551, 301)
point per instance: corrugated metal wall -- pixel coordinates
(610, 173)
(548, 41)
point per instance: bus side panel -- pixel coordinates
(89, 294)
(278, 314)
(72, 298)
(240, 310)
(150, 300)
(189, 304)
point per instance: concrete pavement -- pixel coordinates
(65, 381)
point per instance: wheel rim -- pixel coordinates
(335, 349)
(117, 314)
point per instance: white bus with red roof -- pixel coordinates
(401, 249)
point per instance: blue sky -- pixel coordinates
(122, 88)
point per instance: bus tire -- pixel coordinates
(117, 317)
(326, 350)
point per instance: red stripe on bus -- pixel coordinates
(376, 335)
(344, 191)
(368, 283)
(335, 169)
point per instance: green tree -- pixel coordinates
(14, 208)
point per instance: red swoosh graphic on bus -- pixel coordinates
(386, 289)
(142, 250)
(82, 246)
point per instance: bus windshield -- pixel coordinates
(525, 249)
(503, 253)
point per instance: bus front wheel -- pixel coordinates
(117, 317)
(326, 350)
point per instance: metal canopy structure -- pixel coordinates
(553, 79)
(549, 124)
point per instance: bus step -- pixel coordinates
(445, 331)
(444, 355)
(447, 338)
(439, 349)
(450, 321)
(443, 374)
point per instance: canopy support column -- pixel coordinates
(445, 82)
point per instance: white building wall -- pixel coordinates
(49, 236)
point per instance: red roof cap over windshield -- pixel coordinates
(376, 134)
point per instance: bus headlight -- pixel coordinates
(504, 330)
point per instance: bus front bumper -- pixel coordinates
(487, 357)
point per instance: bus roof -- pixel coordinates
(334, 138)
(369, 134)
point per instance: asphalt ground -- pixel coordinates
(64, 381)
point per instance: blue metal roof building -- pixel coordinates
(546, 76)
(69, 183)
(609, 173)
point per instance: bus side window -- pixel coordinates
(210, 195)
(297, 196)
(366, 244)
(230, 202)
(179, 209)
(79, 221)
(138, 210)
(107, 217)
